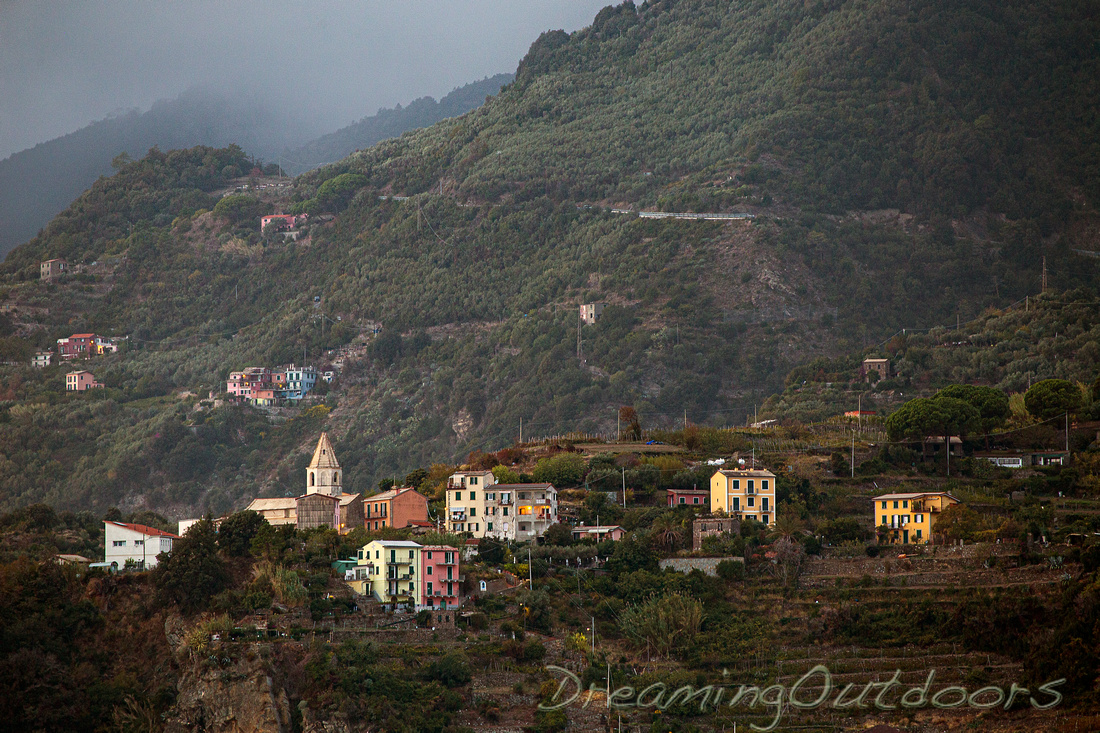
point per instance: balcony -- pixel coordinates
(457, 516)
(504, 501)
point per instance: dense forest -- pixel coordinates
(387, 123)
(38, 183)
(907, 166)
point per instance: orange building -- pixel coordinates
(395, 508)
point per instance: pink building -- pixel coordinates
(599, 533)
(699, 498)
(80, 381)
(244, 384)
(441, 583)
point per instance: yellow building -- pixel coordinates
(749, 493)
(387, 570)
(909, 519)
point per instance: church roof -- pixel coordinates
(323, 455)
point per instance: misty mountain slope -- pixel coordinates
(389, 123)
(931, 108)
(38, 183)
(796, 113)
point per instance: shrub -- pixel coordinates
(731, 570)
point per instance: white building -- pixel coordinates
(591, 312)
(134, 543)
(477, 504)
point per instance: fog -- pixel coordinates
(66, 63)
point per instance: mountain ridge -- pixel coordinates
(505, 224)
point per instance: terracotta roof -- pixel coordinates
(347, 498)
(82, 336)
(914, 495)
(151, 531)
(521, 487)
(750, 472)
(391, 494)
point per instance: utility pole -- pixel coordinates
(580, 356)
(853, 455)
(624, 486)
(1067, 437)
(685, 419)
(521, 431)
(618, 427)
(530, 571)
(593, 634)
(1044, 273)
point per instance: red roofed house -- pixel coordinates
(134, 544)
(281, 221)
(79, 345)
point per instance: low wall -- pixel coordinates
(708, 565)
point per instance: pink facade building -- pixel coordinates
(441, 583)
(245, 384)
(80, 381)
(698, 498)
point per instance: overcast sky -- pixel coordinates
(65, 63)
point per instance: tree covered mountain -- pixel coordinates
(906, 163)
(39, 182)
(387, 123)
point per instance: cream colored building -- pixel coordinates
(387, 570)
(748, 493)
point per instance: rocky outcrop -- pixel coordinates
(222, 695)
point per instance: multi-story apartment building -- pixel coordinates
(407, 573)
(747, 493)
(77, 346)
(477, 504)
(909, 518)
(396, 508)
(388, 570)
(299, 381)
(440, 578)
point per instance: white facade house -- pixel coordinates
(135, 544)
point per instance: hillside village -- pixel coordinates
(734, 367)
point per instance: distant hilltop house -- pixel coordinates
(85, 345)
(42, 359)
(282, 222)
(873, 370)
(134, 545)
(80, 381)
(909, 519)
(591, 312)
(746, 493)
(51, 269)
(598, 533)
(262, 386)
(324, 504)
